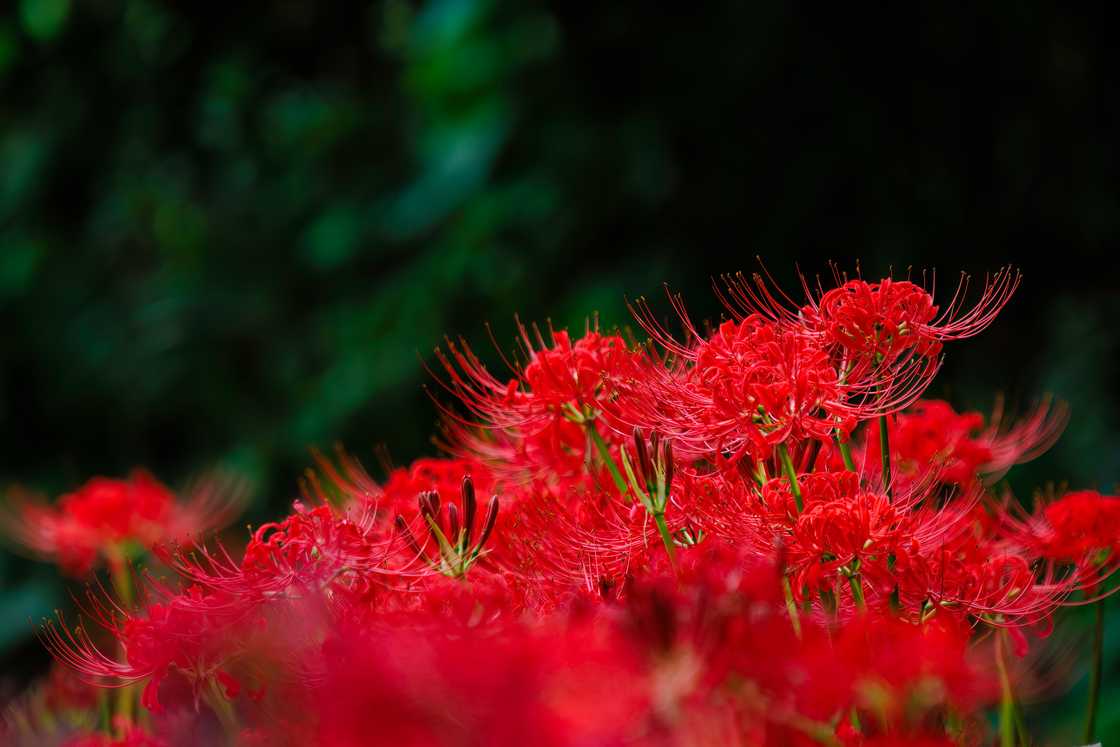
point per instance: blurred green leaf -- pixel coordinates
(333, 237)
(18, 259)
(44, 19)
(9, 48)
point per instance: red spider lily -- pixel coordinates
(880, 320)
(108, 518)
(224, 603)
(552, 688)
(856, 537)
(444, 476)
(975, 571)
(901, 679)
(756, 383)
(843, 536)
(311, 549)
(910, 552)
(750, 386)
(1079, 524)
(753, 379)
(536, 423)
(561, 542)
(884, 336)
(198, 631)
(314, 547)
(195, 632)
(932, 439)
(647, 547)
(1079, 530)
(933, 435)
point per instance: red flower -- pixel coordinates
(1079, 524)
(535, 424)
(748, 387)
(443, 476)
(108, 519)
(974, 568)
(545, 687)
(775, 374)
(933, 434)
(876, 321)
(711, 584)
(193, 633)
(752, 378)
(879, 321)
(932, 440)
(883, 336)
(896, 675)
(1079, 531)
(574, 540)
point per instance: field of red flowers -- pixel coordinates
(753, 532)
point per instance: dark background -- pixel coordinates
(231, 231)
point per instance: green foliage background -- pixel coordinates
(231, 231)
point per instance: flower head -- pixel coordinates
(110, 519)
(931, 440)
(535, 425)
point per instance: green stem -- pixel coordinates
(1007, 697)
(122, 584)
(845, 452)
(791, 605)
(760, 475)
(123, 710)
(605, 454)
(857, 591)
(885, 454)
(223, 709)
(1021, 726)
(119, 576)
(104, 716)
(1095, 673)
(820, 733)
(791, 473)
(666, 537)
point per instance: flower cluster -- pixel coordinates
(760, 534)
